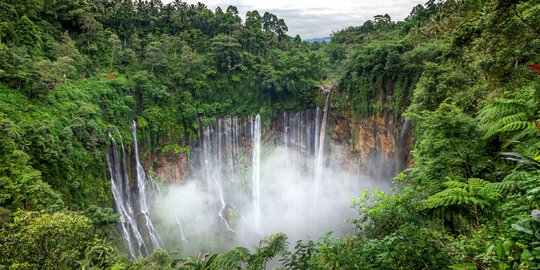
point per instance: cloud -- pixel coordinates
(318, 18)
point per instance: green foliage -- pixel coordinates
(270, 247)
(240, 257)
(101, 216)
(35, 240)
(448, 145)
(99, 255)
(455, 68)
(237, 258)
(462, 199)
(510, 119)
(382, 214)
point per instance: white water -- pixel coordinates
(212, 162)
(123, 206)
(143, 199)
(155, 187)
(180, 229)
(317, 129)
(256, 168)
(320, 151)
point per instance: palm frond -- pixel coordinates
(237, 258)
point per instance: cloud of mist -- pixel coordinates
(288, 204)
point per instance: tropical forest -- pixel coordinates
(165, 134)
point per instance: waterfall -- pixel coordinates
(232, 191)
(317, 129)
(212, 156)
(300, 136)
(319, 156)
(141, 186)
(119, 180)
(256, 167)
(155, 187)
(180, 228)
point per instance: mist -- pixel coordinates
(290, 202)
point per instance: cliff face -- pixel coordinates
(171, 168)
(378, 146)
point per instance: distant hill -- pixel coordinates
(321, 39)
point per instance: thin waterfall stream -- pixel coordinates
(142, 188)
(256, 168)
(319, 156)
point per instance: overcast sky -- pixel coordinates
(319, 18)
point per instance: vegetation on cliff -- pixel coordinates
(70, 71)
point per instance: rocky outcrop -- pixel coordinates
(377, 146)
(171, 168)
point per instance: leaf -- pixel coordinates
(209, 261)
(522, 229)
(500, 251)
(513, 156)
(508, 244)
(536, 251)
(534, 190)
(526, 255)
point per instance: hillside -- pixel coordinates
(448, 98)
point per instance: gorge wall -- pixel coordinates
(378, 146)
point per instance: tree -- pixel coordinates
(44, 240)
(281, 29)
(52, 72)
(448, 145)
(21, 186)
(90, 27)
(269, 21)
(17, 68)
(116, 45)
(226, 53)
(231, 21)
(67, 47)
(29, 35)
(254, 33)
(154, 58)
(382, 22)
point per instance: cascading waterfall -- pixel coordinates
(320, 150)
(224, 196)
(317, 129)
(141, 186)
(221, 157)
(119, 180)
(256, 168)
(213, 169)
(299, 134)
